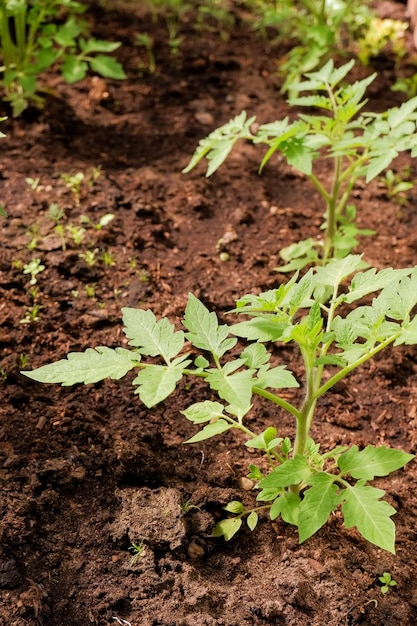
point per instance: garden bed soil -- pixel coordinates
(85, 471)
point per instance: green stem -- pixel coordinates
(277, 400)
(346, 370)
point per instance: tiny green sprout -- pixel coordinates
(387, 582)
(89, 256)
(55, 212)
(103, 221)
(187, 506)
(73, 183)
(34, 267)
(76, 233)
(23, 360)
(33, 183)
(32, 315)
(90, 290)
(3, 212)
(107, 258)
(143, 40)
(137, 549)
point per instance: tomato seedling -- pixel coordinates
(297, 480)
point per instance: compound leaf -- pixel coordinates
(372, 461)
(152, 337)
(211, 430)
(363, 508)
(291, 472)
(87, 367)
(201, 412)
(317, 504)
(236, 389)
(157, 382)
(205, 331)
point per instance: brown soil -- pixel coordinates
(87, 470)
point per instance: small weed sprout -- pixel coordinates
(32, 314)
(33, 268)
(143, 40)
(89, 256)
(137, 549)
(397, 184)
(387, 582)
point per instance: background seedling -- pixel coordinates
(397, 184)
(143, 40)
(34, 36)
(359, 147)
(137, 549)
(387, 582)
(303, 484)
(33, 268)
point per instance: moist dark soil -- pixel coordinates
(86, 471)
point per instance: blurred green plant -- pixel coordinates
(35, 34)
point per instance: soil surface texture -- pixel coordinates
(87, 470)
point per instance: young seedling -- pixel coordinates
(137, 549)
(397, 184)
(359, 147)
(297, 481)
(33, 268)
(143, 40)
(387, 582)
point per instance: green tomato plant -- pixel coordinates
(32, 39)
(314, 30)
(359, 147)
(294, 478)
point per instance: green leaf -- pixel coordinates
(87, 367)
(260, 329)
(211, 430)
(227, 528)
(205, 332)
(371, 461)
(317, 504)
(152, 337)
(363, 508)
(264, 441)
(218, 145)
(291, 472)
(98, 45)
(73, 69)
(252, 520)
(157, 382)
(235, 507)
(201, 412)
(276, 378)
(236, 389)
(255, 355)
(337, 270)
(288, 506)
(107, 66)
